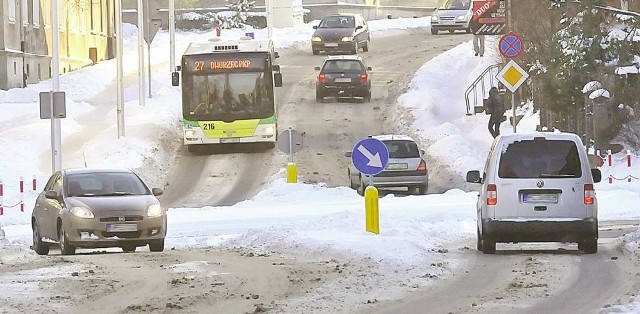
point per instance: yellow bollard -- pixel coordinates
(371, 209)
(292, 173)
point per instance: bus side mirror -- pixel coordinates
(277, 78)
(276, 68)
(175, 78)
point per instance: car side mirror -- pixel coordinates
(277, 79)
(422, 152)
(51, 194)
(316, 68)
(368, 68)
(276, 55)
(175, 79)
(157, 191)
(359, 27)
(347, 154)
(178, 68)
(276, 67)
(473, 176)
(597, 175)
(315, 27)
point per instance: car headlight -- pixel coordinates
(316, 38)
(155, 211)
(189, 133)
(82, 212)
(269, 130)
(464, 17)
(348, 38)
(434, 18)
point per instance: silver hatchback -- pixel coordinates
(406, 167)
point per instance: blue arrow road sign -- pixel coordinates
(510, 45)
(370, 156)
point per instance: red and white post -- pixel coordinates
(21, 194)
(1, 198)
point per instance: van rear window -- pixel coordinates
(540, 159)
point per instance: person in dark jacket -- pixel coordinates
(495, 107)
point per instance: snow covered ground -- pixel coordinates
(306, 218)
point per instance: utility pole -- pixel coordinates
(513, 97)
(141, 92)
(269, 18)
(119, 70)
(172, 36)
(56, 142)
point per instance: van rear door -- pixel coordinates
(540, 178)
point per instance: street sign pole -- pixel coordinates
(56, 135)
(119, 70)
(141, 91)
(172, 36)
(290, 145)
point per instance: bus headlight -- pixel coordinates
(189, 133)
(269, 130)
(347, 38)
(316, 38)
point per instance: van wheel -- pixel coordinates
(488, 246)
(434, 31)
(365, 47)
(588, 246)
(451, 31)
(478, 240)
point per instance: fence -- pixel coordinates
(608, 163)
(20, 185)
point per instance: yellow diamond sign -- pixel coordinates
(512, 76)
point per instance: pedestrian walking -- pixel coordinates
(478, 44)
(495, 107)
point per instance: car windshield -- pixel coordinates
(342, 66)
(104, 184)
(338, 22)
(455, 5)
(402, 149)
(540, 159)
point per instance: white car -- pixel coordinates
(537, 187)
(452, 15)
(406, 167)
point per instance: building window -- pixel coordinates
(36, 12)
(15, 69)
(12, 10)
(24, 9)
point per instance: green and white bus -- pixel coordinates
(228, 93)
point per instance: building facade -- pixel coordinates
(85, 36)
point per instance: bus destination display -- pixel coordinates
(207, 65)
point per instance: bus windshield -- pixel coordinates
(228, 96)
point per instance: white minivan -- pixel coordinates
(452, 15)
(537, 187)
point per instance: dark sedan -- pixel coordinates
(341, 33)
(343, 76)
(97, 208)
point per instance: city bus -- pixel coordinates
(228, 93)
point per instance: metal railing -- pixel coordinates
(485, 80)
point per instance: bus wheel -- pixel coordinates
(192, 148)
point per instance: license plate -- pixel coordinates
(121, 227)
(331, 45)
(343, 80)
(230, 140)
(540, 198)
(396, 166)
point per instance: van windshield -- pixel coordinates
(540, 159)
(455, 5)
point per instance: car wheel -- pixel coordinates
(129, 248)
(434, 31)
(319, 96)
(351, 183)
(157, 245)
(354, 49)
(451, 31)
(361, 188)
(588, 246)
(316, 52)
(422, 190)
(365, 47)
(65, 247)
(468, 30)
(40, 247)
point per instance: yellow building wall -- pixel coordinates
(83, 24)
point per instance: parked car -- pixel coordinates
(406, 167)
(537, 187)
(97, 208)
(452, 15)
(341, 33)
(343, 76)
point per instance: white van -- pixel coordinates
(452, 15)
(537, 187)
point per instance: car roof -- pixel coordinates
(96, 170)
(392, 137)
(343, 14)
(344, 57)
(546, 135)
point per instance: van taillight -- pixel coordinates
(363, 78)
(589, 194)
(321, 78)
(422, 166)
(492, 194)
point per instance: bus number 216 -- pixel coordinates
(207, 126)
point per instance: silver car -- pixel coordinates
(406, 167)
(452, 15)
(537, 187)
(97, 208)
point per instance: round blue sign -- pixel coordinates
(370, 156)
(510, 45)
